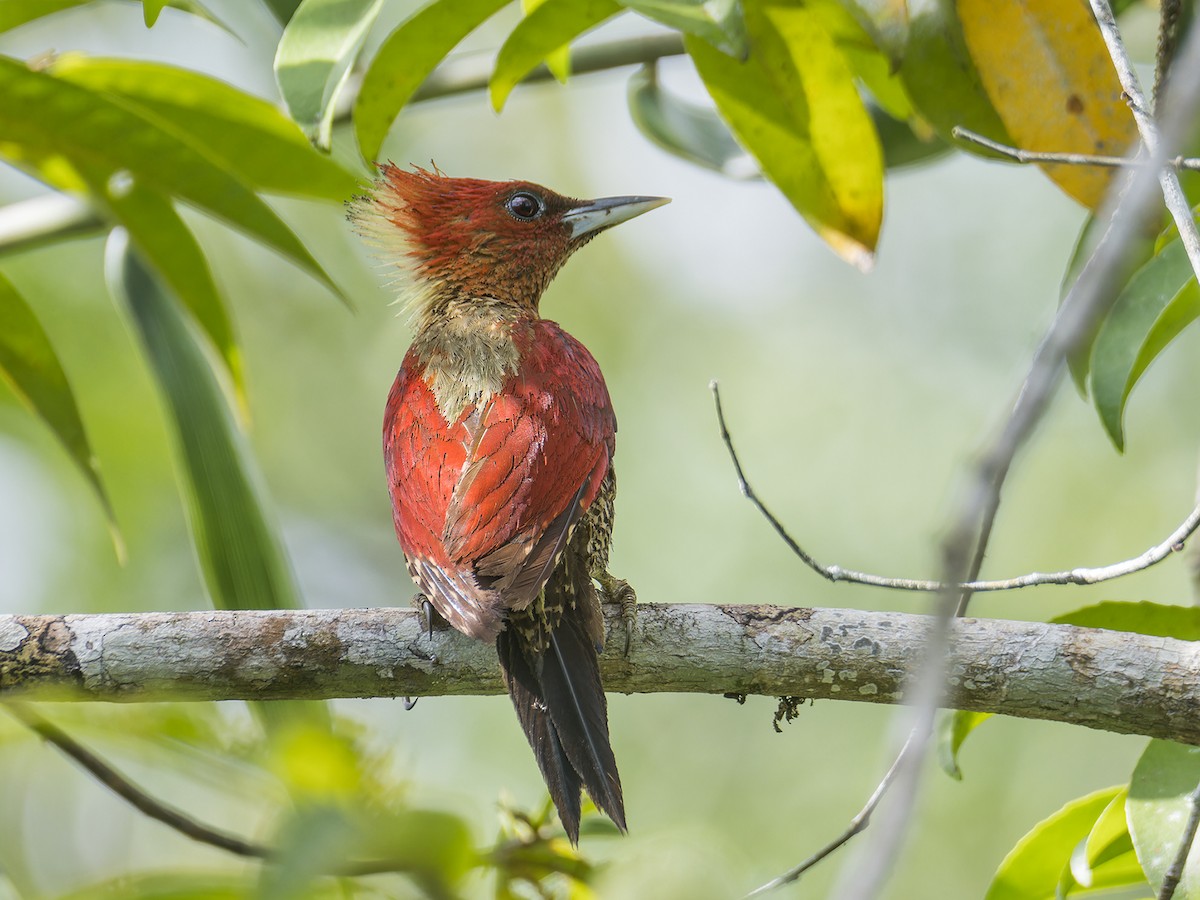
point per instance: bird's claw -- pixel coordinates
(430, 618)
(619, 592)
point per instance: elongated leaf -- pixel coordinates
(1140, 250)
(953, 728)
(685, 129)
(1179, 622)
(557, 61)
(169, 244)
(1046, 70)
(887, 22)
(1034, 867)
(1156, 304)
(550, 26)
(1157, 809)
(1106, 859)
(152, 9)
(237, 544)
(244, 134)
(283, 10)
(49, 117)
(719, 22)
(315, 54)
(868, 62)
(18, 12)
(794, 105)
(906, 143)
(31, 367)
(405, 60)
(941, 78)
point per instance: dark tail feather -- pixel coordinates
(560, 703)
(561, 779)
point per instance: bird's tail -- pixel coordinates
(561, 706)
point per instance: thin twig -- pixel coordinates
(858, 824)
(155, 809)
(129, 792)
(1175, 872)
(1018, 154)
(1081, 575)
(50, 218)
(1126, 208)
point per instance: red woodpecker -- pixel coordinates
(498, 441)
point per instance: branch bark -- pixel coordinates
(1108, 680)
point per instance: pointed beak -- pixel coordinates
(596, 215)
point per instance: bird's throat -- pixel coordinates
(469, 352)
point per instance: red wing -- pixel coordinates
(424, 456)
(530, 473)
(536, 462)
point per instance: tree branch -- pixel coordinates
(1109, 680)
(1173, 543)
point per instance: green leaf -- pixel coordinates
(1159, 300)
(953, 728)
(405, 60)
(433, 846)
(687, 130)
(152, 9)
(49, 118)
(906, 143)
(18, 12)
(318, 47)
(188, 884)
(282, 10)
(1157, 809)
(719, 22)
(940, 77)
(1105, 860)
(1033, 869)
(171, 247)
(1179, 622)
(887, 23)
(237, 544)
(794, 105)
(538, 35)
(868, 62)
(243, 134)
(1140, 250)
(31, 367)
(558, 61)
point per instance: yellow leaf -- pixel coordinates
(1045, 69)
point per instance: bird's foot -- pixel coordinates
(430, 618)
(618, 591)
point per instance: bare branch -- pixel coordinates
(128, 791)
(153, 808)
(858, 824)
(1081, 575)
(1174, 873)
(1017, 154)
(52, 217)
(1100, 679)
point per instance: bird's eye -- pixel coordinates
(525, 206)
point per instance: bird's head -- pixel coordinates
(466, 239)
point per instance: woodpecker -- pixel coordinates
(498, 440)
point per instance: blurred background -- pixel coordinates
(856, 401)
